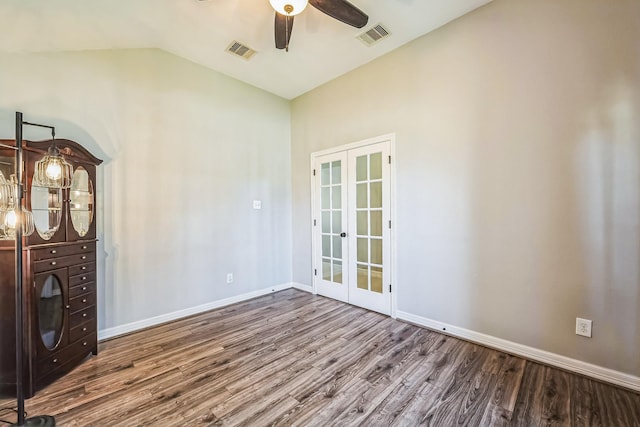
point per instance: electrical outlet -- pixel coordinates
(583, 327)
(229, 277)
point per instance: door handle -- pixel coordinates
(343, 234)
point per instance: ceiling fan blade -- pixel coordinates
(282, 28)
(343, 11)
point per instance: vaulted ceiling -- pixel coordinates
(200, 30)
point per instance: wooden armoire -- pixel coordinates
(59, 272)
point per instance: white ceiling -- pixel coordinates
(321, 48)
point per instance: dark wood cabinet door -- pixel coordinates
(81, 207)
(51, 312)
(46, 206)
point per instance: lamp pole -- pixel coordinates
(40, 420)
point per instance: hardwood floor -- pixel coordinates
(291, 358)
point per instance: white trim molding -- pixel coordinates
(350, 146)
(127, 328)
(302, 287)
(548, 358)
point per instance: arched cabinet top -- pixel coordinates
(67, 147)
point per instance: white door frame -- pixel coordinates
(391, 138)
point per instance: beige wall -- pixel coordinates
(186, 151)
(518, 171)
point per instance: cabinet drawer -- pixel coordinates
(81, 302)
(70, 352)
(82, 289)
(81, 279)
(82, 330)
(64, 261)
(82, 268)
(60, 251)
(79, 317)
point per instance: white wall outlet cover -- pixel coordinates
(583, 327)
(230, 278)
(257, 204)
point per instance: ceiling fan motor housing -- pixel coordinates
(341, 10)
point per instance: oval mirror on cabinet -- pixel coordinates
(46, 206)
(81, 201)
(51, 312)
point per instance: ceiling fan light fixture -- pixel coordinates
(288, 7)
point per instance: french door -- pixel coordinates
(352, 226)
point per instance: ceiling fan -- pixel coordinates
(341, 10)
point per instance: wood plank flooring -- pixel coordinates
(294, 359)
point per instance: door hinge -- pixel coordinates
(389, 159)
(314, 222)
(389, 223)
(314, 172)
(389, 288)
(315, 272)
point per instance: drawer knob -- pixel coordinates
(83, 257)
(55, 360)
(84, 314)
(84, 247)
(84, 329)
(83, 268)
(53, 251)
(67, 307)
(84, 300)
(84, 277)
(53, 263)
(84, 288)
(84, 343)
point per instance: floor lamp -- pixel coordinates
(39, 420)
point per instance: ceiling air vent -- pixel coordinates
(241, 50)
(374, 35)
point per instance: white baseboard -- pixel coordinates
(175, 315)
(301, 287)
(563, 362)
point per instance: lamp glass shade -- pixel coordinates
(9, 221)
(5, 193)
(28, 224)
(53, 171)
(288, 7)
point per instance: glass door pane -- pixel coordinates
(330, 217)
(46, 205)
(81, 201)
(369, 221)
(369, 194)
(51, 309)
(50, 312)
(331, 212)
